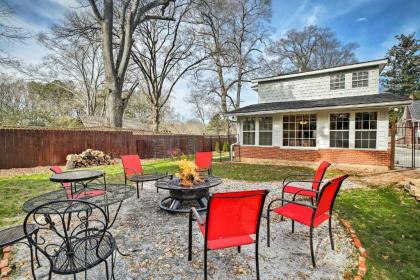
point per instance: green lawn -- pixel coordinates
(386, 219)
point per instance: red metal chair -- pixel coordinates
(232, 220)
(309, 215)
(203, 160)
(68, 187)
(133, 171)
(316, 182)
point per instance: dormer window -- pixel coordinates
(337, 81)
(360, 79)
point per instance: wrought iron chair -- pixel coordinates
(84, 245)
(133, 171)
(233, 220)
(203, 160)
(316, 182)
(309, 215)
(68, 187)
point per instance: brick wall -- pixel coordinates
(336, 156)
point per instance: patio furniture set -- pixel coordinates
(72, 227)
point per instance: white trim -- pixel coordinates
(372, 105)
(381, 62)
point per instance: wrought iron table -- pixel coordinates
(112, 194)
(79, 176)
(178, 194)
(142, 178)
(16, 234)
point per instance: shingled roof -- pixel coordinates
(415, 110)
(384, 99)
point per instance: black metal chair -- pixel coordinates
(70, 250)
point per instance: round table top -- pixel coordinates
(14, 234)
(173, 184)
(113, 193)
(76, 175)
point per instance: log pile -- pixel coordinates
(87, 158)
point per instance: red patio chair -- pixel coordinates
(232, 220)
(309, 215)
(316, 182)
(68, 187)
(133, 171)
(203, 160)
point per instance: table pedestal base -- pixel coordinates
(173, 205)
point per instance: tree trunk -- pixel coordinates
(115, 108)
(156, 118)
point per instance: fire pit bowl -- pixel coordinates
(178, 194)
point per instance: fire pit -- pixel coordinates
(178, 194)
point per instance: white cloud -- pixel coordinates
(361, 19)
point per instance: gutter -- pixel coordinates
(385, 104)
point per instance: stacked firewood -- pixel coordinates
(87, 158)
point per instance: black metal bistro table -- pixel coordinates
(112, 194)
(82, 177)
(16, 234)
(179, 194)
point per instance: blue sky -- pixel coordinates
(370, 23)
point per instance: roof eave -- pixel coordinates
(369, 105)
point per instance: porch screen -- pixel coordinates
(248, 132)
(339, 130)
(266, 131)
(366, 124)
(299, 130)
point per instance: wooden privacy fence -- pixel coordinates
(43, 147)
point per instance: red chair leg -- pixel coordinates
(331, 235)
(293, 226)
(239, 249)
(137, 186)
(311, 243)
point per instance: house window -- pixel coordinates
(366, 124)
(339, 130)
(248, 132)
(360, 79)
(266, 131)
(299, 130)
(337, 81)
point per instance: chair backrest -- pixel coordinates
(233, 214)
(57, 241)
(203, 159)
(56, 169)
(328, 194)
(131, 164)
(319, 175)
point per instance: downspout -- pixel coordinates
(234, 144)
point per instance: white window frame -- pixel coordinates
(340, 130)
(361, 130)
(295, 130)
(265, 131)
(360, 79)
(248, 131)
(337, 81)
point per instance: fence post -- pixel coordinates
(392, 160)
(220, 149)
(413, 145)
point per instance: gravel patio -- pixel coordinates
(161, 240)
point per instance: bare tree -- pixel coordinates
(203, 105)
(312, 48)
(165, 52)
(77, 60)
(117, 23)
(9, 33)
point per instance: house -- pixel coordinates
(410, 122)
(335, 114)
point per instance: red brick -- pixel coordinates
(5, 271)
(363, 252)
(340, 156)
(357, 277)
(4, 262)
(357, 243)
(345, 223)
(6, 255)
(6, 249)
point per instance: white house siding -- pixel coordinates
(323, 128)
(315, 87)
